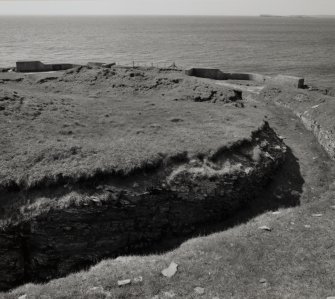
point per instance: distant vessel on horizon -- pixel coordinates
(270, 16)
(296, 16)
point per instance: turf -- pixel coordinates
(56, 127)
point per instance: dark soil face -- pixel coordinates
(55, 236)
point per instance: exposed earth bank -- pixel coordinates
(176, 152)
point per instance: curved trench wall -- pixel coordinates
(306, 106)
(326, 138)
(66, 235)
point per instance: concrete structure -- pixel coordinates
(38, 66)
(95, 64)
(217, 74)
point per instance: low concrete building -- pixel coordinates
(217, 74)
(38, 66)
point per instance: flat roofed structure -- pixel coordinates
(38, 66)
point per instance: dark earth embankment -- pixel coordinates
(182, 150)
(95, 172)
(58, 235)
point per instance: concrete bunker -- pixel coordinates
(38, 66)
(217, 74)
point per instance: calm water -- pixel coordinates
(297, 46)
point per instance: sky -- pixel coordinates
(167, 7)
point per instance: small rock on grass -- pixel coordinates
(171, 270)
(96, 291)
(199, 290)
(138, 279)
(124, 282)
(170, 294)
(333, 208)
(263, 280)
(317, 215)
(22, 297)
(266, 228)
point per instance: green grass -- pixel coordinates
(64, 129)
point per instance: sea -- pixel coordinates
(299, 46)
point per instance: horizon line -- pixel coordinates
(176, 15)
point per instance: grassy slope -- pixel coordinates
(296, 258)
(89, 122)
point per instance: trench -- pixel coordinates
(148, 212)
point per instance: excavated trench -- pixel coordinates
(47, 237)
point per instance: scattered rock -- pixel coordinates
(263, 280)
(95, 199)
(176, 119)
(199, 290)
(307, 226)
(22, 297)
(295, 193)
(332, 207)
(171, 270)
(96, 289)
(138, 279)
(170, 294)
(124, 282)
(265, 228)
(239, 104)
(276, 213)
(317, 215)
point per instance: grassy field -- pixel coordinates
(60, 129)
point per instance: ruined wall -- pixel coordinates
(62, 238)
(37, 66)
(290, 81)
(217, 74)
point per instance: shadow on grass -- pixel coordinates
(283, 191)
